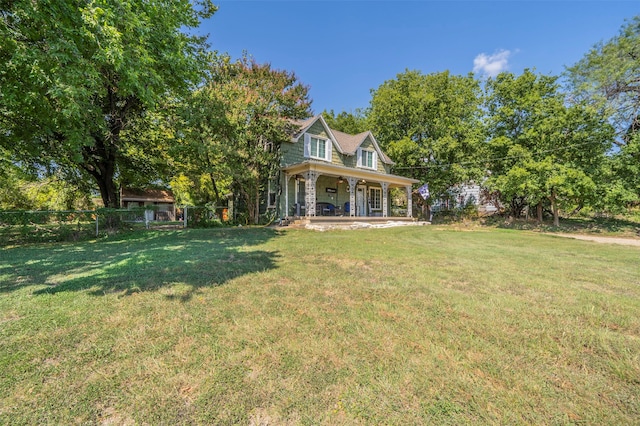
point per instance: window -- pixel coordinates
(375, 198)
(367, 159)
(318, 148)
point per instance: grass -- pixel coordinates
(254, 325)
(619, 226)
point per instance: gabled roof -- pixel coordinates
(304, 125)
(157, 195)
(345, 143)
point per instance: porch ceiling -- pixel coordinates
(335, 170)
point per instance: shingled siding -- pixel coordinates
(292, 153)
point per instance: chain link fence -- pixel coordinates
(22, 226)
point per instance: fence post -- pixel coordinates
(97, 231)
(184, 217)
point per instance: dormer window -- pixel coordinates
(367, 159)
(317, 147)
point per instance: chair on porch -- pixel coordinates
(328, 210)
(325, 209)
(347, 208)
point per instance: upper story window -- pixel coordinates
(368, 159)
(317, 147)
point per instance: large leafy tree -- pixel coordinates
(76, 75)
(541, 149)
(608, 76)
(430, 126)
(234, 126)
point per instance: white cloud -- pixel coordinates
(492, 65)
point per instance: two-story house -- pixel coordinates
(327, 172)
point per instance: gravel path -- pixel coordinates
(606, 240)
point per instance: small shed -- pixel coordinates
(162, 199)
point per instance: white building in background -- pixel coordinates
(464, 195)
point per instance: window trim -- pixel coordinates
(309, 141)
(362, 156)
(315, 142)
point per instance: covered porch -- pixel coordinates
(316, 190)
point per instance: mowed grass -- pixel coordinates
(258, 326)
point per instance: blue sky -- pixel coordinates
(343, 49)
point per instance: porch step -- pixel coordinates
(328, 222)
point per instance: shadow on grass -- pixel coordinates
(144, 261)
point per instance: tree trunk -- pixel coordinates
(257, 211)
(109, 192)
(212, 177)
(539, 211)
(100, 163)
(554, 207)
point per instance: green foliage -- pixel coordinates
(626, 170)
(607, 76)
(540, 147)
(347, 122)
(22, 190)
(203, 217)
(74, 77)
(430, 126)
(37, 226)
(232, 129)
(21, 226)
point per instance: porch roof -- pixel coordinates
(336, 170)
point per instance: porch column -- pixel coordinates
(385, 203)
(286, 195)
(352, 195)
(310, 179)
(409, 201)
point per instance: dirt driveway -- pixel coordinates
(607, 240)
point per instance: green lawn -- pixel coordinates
(395, 326)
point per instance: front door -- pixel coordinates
(361, 201)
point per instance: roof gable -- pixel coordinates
(351, 143)
(345, 143)
(308, 123)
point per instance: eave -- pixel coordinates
(330, 169)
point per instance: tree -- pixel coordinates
(609, 76)
(201, 156)
(430, 126)
(540, 148)
(234, 126)
(21, 189)
(75, 76)
(347, 122)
